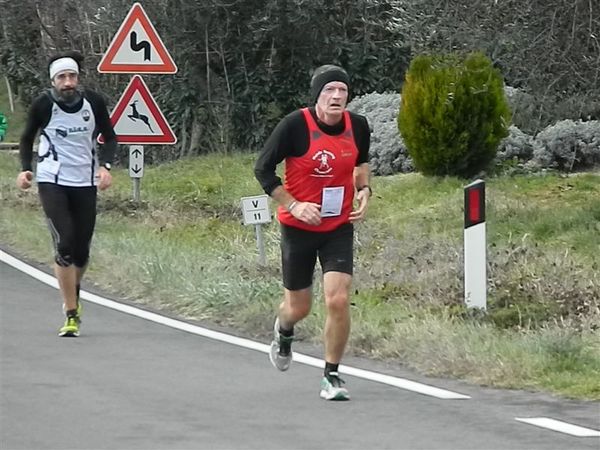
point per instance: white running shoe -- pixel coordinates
(281, 349)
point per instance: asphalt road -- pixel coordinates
(128, 383)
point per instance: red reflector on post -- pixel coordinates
(474, 209)
(474, 203)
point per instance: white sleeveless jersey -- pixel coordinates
(66, 152)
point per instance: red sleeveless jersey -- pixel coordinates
(328, 163)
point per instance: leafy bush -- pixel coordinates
(517, 145)
(532, 114)
(453, 113)
(568, 146)
(388, 153)
(513, 154)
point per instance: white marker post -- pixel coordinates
(475, 246)
(136, 168)
(256, 212)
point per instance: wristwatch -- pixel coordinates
(107, 166)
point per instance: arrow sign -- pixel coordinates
(137, 47)
(137, 118)
(136, 161)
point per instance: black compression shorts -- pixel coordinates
(300, 249)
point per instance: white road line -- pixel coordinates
(561, 427)
(401, 383)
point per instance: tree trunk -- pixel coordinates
(10, 97)
(195, 137)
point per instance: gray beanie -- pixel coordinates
(326, 74)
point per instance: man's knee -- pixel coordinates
(300, 310)
(66, 256)
(63, 258)
(337, 303)
(298, 302)
(337, 291)
(81, 259)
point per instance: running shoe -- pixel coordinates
(70, 328)
(79, 310)
(281, 349)
(332, 389)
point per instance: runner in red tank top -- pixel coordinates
(326, 189)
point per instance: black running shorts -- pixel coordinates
(300, 249)
(71, 216)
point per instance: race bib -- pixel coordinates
(331, 204)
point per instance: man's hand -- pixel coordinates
(24, 179)
(307, 212)
(362, 197)
(104, 179)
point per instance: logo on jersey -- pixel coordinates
(323, 158)
(64, 132)
(86, 115)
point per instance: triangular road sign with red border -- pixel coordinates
(137, 47)
(137, 118)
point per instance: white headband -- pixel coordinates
(62, 65)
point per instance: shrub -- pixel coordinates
(513, 154)
(388, 153)
(453, 113)
(517, 145)
(532, 114)
(568, 146)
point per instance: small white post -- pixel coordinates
(260, 244)
(136, 189)
(475, 246)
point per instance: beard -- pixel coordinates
(68, 94)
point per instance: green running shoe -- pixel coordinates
(332, 389)
(70, 328)
(79, 310)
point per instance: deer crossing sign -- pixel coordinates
(137, 118)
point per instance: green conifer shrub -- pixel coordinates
(453, 113)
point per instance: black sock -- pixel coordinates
(286, 333)
(285, 341)
(72, 313)
(78, 287)
(330, 367)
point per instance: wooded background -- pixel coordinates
(243, 64)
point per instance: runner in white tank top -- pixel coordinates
(68, 171)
